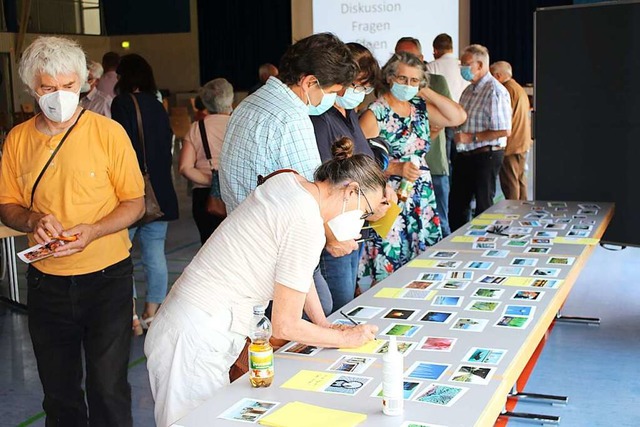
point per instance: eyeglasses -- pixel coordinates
(366, 214)
(403, 80)
(360, 89)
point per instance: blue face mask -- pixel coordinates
(404, 92)
(327, 102)
(465, 72)
(350, 99)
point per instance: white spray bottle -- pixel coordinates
(392, 383)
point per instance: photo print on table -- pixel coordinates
(437, 316)
(537, 250)
(349, 385)
(516, 243)
(578, 233)
(486, 306)
(485, 239)
(472, 374)
(347, 322)
(519, 310)
(524, 262)
(589, 206)
(440, 394)
(436, 344)
(460, 275)
(444, 254)
(409, 389)
(523, 295)
(479, 265)
(400, 313)
(541, 241)
(583, 227)
(453, 285)
(426, 371)
(493, 293)
(509, 271)
(519, 230)
(475, 233)
(557, 204)
(483, 245)
(419, 424)
(496, 253)
(364, 312)
(447, 301)
(401, 330)
(533, 223)
(544, 233)
(352, 364)
(470, 325)
(448, 264)
(431, 277)
(489, 279)
(248, 410)
(546, 272)
(587, 212)
(420, 284)
(556, 260)
(517, 322)
(300, 349)
(404, 347)
(487, 356)
(555, 226)
(545, 283)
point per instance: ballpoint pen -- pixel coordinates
(348, 318)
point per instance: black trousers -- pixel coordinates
(91, 312)
(473, 175)
(205, 222)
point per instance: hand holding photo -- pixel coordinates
(41, 251)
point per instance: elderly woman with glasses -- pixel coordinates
(401, 116)
(339, 260)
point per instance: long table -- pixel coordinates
(479, 405)
(7, 236)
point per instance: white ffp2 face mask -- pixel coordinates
(347, 225)
(60, 105)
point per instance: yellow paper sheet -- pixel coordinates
(309, 380)
(423, 263)
(368, 348)
(479, 221)
(384, 224)
(295, 414)
(492, 216)
(579, 241)
(463, 239)
(517, 281)
(389, 293)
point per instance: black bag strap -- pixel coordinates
(262, 179)
(140, 133)
(64, 138)
(205, 142)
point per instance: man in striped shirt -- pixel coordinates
(480, 141)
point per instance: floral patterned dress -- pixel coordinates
(418, 225)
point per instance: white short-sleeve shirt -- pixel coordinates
(275, 235)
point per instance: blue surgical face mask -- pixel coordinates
(404, 92)
(465, 72)
(327, 102)
(350, 99)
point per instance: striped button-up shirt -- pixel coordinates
(488, 107)
(269, 130)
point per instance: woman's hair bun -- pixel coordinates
(342, 148)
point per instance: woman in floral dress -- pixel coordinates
(401, 116)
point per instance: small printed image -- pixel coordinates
(517, 322)
(557, 204)
(479, 265)
(470, 325)
(583, 227)
(436, 344)
(404, 347)
(400, 313)
(587, 212)
(440, 394)
(409, 389)
(491, 280)
(347, 384)
(546, 234)
(419, 284)
(492, 293)
(447, 301)
(460, 275)
(352, 364)
(546, 272)
(475, 233)
(578, 233)
(519, 230)
(589, 206)
(443, 254)
(541, 241)
(545, 283)
(537, 250)
(487, 356)
(484, 245)
(495, 253)
(525, 262)
(516, 243)
(41, 251)
(432, 277)
(472, 375)
(248, 410)
(530, 223)
(488, 306)
(346, 322)
(401, 330)
(301, 349)
(437, 316)
(486, 239)
(519, 310)
(510, 271)
(555, 226)
(448, 264)
(454, 285)
(563, 221)
(365, 312)
(528, 295)
(561, 260)
(426, 371)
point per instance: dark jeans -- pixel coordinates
(340, 274)
(473, 175)
(205, 222)
(442, 190)
(90, 311)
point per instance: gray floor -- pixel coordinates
(595, 366)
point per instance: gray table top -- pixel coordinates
(480, 404)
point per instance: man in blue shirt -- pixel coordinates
(271, 128)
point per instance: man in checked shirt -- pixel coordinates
(480, 141)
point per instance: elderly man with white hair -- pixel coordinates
(94, 99)
(72, 176)
(196, 162)
(480, 140)
(512, 179)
